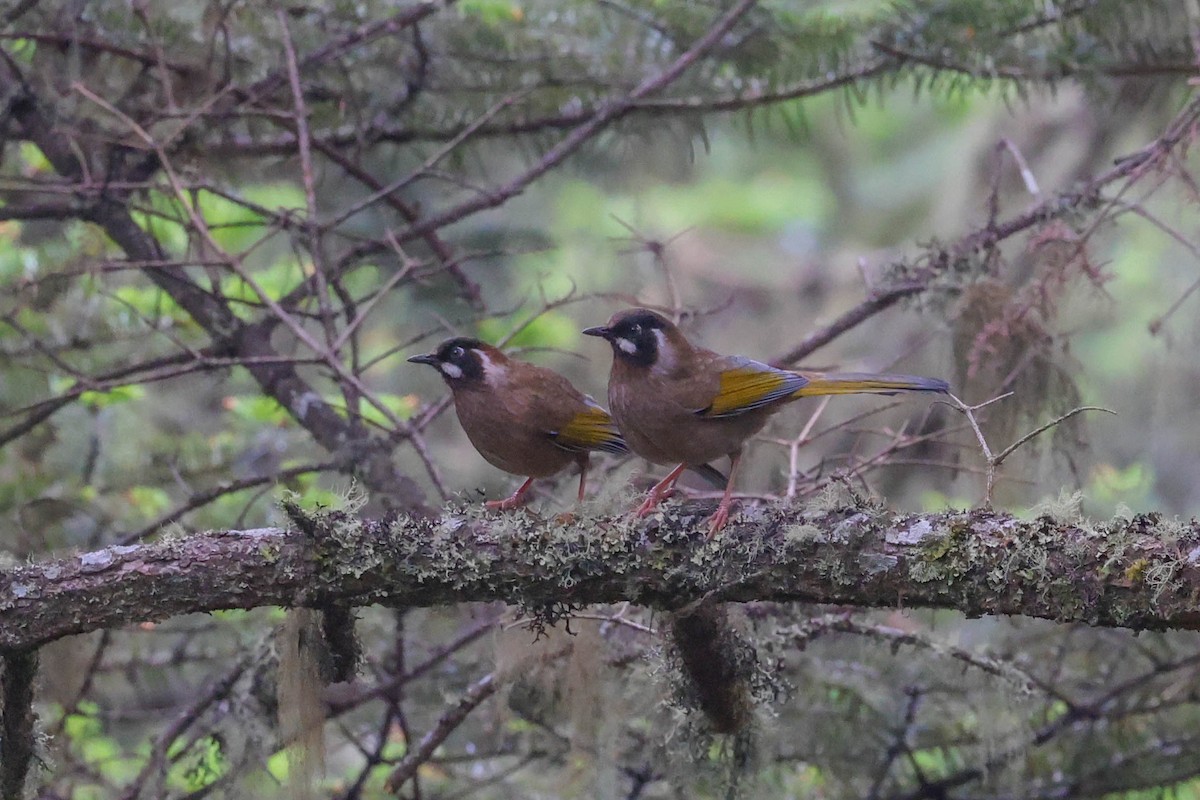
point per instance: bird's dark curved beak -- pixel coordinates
(599, 330)
(427, 358)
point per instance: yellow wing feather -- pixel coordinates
(590, 429)
(751, 385)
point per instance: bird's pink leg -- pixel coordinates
(583, 468)
(567, 517)
(661, 491)
(721, 516)
(508, 503)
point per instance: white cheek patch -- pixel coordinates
(450, 370)
(493, 373)
(666, 353)
(626, 346)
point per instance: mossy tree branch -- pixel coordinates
(1142, 573)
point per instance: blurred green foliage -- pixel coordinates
(763, 225)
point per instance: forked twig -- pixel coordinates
(994, 460)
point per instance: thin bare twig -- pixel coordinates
(235, 265)
(1131, 167)
(1006, 452)
(994, 460)
(604, 115)
(658, 251)
(304, 146)
(203, 498)
(844, 623)
(216, 690)
(479, 691)
(848, 320)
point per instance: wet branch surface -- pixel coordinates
(1141, 573)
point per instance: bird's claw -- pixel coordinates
(648, 505)
(507, 504)
(718, 520)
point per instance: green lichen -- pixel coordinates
(833, 570)
(1066, 509)
(802, 532)
(1160, 577)
(1172, 530)
(840, 496)
(945, 539)
(923, 571)
(1136, 571)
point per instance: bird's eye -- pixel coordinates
(635, 329)
(457, 352)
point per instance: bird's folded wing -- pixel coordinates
(746, 385)
(590, 429)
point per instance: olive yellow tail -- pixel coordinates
(865, 383)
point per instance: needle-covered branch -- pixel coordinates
(1141, 573)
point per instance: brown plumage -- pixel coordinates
(522, 418)
(678, 403)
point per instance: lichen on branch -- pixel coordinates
(1140, 572)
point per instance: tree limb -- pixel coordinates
(17, 735)
(1141, 573)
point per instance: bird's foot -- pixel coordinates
(718, 520)
(518, 498)
(507, 504)
(661, 491)
(649, 504)
(653, 500)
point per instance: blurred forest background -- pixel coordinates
(224, 225)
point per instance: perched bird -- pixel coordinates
(678, 403)
(522, 418)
